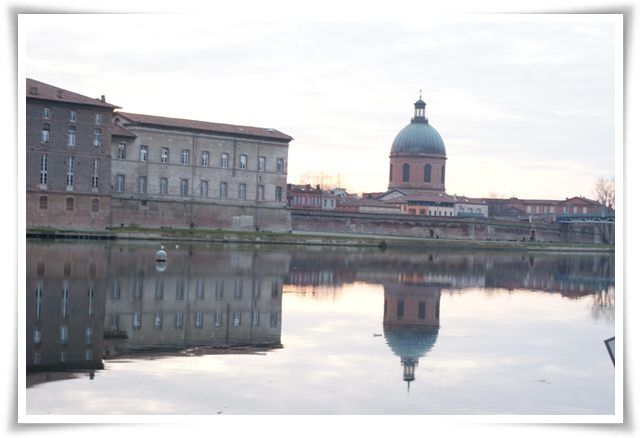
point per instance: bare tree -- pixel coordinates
(326, 181)
(605, 190)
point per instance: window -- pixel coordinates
(72, 116)
(262, 164)
(217, 319)
(144, 152)
(142, 184)
(279, 165)
(88, 335)
(186, 156)
(584, 210)
(71, 136)
(390, 171)
(405, 172)
(224, 160)
(96, 172)
(157, 321)
(164, 186)
(37, 336)
(159, 288)
(44, 202)
(442, 176)
(204, 188)
(237, 294)
(427, 173)
(260, 193)
(95, 205)
(184, 187)
(164, 156)
(242, 193)
(279, 194)
(45, 135)
(44, 169)
(243, 161)
(46, 113)
(115, 289)
(179, 320)
(205, 159)
(97, 137)
(236, 319)
(70, 161)
(98, 119)
(122, 151)
(137, 321)
(120, 183)
(199, 320)
(400, 310)
(64, 334)
(421, 309)
(223, 189)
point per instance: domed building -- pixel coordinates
(411, 321)
(418, 156)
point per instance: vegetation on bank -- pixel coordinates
(298, 238)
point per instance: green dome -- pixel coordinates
(409, 341)
(418, 137)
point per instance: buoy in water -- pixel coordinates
(161, 255)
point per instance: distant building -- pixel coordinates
(470, 207)
(545, 210)
(308, 197)
(68, 138)
(418, 156)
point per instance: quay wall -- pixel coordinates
(449, 227)
(157, 213)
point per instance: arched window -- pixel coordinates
(71, 136)
(69, 204)
(427, 173)
(95, 205)
(405, 172)
(442, 175)
(390, 172)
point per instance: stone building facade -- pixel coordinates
(172, 172)
(68, 140)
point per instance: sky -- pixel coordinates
(525, 104)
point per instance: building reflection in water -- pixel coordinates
(413, 283)
(89, 302)
(411, 320)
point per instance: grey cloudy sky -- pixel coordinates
(525, 104)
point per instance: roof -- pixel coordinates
(210, 127)
(418, 137)
(119, 131)
(40, 90)
(435, 197)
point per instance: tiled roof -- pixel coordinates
(42, 91)
(435, 197)
(119, 131)
(216, 128)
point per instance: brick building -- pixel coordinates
(68, 139)
(545, 210)
(89, 168)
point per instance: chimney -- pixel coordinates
(102, 98)
(59, 94)
(33, 90)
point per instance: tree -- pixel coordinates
(324, 180)
(605, 190)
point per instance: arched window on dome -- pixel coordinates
(442, 175)
(427, 173)
(405, 172)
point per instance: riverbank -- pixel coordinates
(311, 238)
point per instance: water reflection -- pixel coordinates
(411, 320)
(88, 303)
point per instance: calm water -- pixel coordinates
(245, 330)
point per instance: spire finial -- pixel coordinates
(420, 93)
